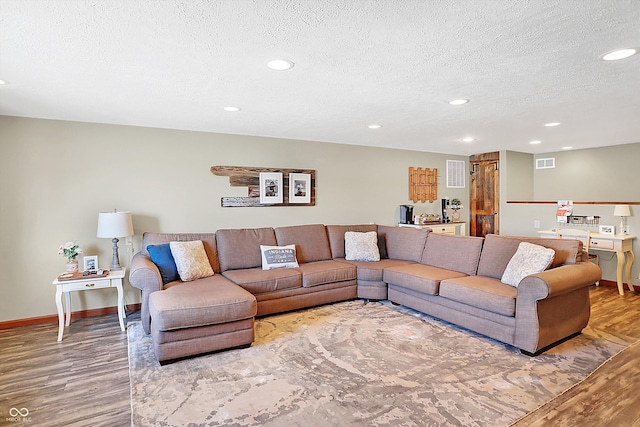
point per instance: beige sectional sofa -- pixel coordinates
(454, 278)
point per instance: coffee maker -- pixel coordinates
(445, 217)
(406, 214)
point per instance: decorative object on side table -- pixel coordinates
(623, 212)
(70, 250)
(455, 206)
(113, 225)
(90, 263)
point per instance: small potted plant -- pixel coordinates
(70, 250)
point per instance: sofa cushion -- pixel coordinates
(457, 253)
(240, 248)
(162, 258)
(278, 257)
(335, 233)
(208, 240)
(481, 292)
(373, 271)
(361, 246)
(191, 260)
(419, 277)
(207, 301)
(528, 259)
(257, 280)
(498, 251)
(312, 243)
(403, 243)
(329, 271)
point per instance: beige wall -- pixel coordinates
(600, 174)
(56, 176)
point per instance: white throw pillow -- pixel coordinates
(528, 259)
(361, 246)
(278, 257)
(191, 260)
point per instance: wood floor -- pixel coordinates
(84, 380)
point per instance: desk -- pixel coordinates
(457, 228)
(621, 244)
(112, 280)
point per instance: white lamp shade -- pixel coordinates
(621, 210)
(114, 224)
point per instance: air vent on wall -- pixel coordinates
(455, 174)
(548, 163)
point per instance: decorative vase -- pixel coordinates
(455, 215)
(72, 266)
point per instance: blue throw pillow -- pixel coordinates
(161, 256)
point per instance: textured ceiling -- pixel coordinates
(176, 64)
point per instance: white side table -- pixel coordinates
(112, 280)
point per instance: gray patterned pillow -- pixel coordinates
(361, 246)
(528, 259)
(191, 260)
(278, 257)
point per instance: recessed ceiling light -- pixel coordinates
(374, 126)
(280, 64)
(4, 82)
(552, 124)
(614, 55)
(468, 139)
(232, 109)
(568, 147)
(534, 142)
(458, 101)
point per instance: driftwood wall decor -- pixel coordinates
(240, 176)
(423, 184)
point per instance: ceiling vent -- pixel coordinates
(455, 174)
(548, 163)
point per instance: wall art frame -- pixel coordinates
(299, 188)
(271, 188)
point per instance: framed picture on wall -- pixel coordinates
(607, 229)
(90, 263)
(299, 188)
(271, 187)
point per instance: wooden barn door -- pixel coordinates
(485, 196)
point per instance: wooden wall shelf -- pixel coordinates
(555, 202)
(241, 176)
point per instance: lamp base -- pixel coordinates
(115, 262)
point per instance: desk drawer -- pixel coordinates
(86, 285)
(601, 244)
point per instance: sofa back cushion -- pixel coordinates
(457, 253)
(208, 240)
(403, 243)
(498, 251)
(240, 248)
(312, 243)
(335, 233)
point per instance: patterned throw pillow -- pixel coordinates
(361, 246)
(278, 257)
(191, 260)
(528, 259)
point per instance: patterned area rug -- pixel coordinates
(352, 363)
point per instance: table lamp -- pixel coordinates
(623, 212)
(112, 225)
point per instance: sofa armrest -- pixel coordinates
(145, 276)
(558, 281)
(553, 305)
